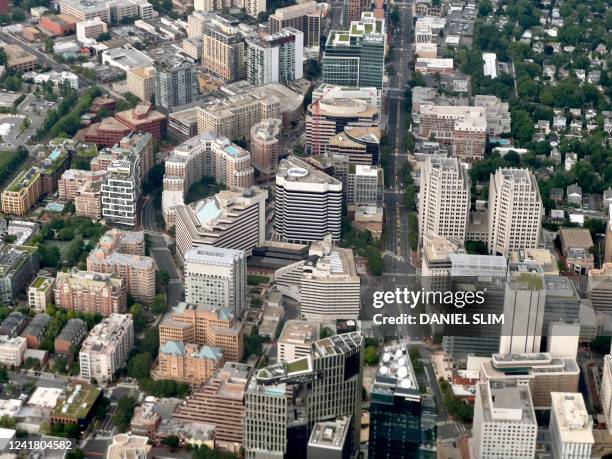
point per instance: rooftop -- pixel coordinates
(330, 434)
(506, 402)
(298, 332)
(78, 401)
(293, 169)
(395, 373)
(573, 421)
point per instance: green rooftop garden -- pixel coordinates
(531, 281)
(378, 26)
(369, 28)
(16, 184)
(81, 404)
(298, 365)
(343, 37)
(39, 282)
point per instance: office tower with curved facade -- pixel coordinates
(308, 203)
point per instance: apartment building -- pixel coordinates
(599, 289)
(106, 348)
(40, 293)
(18, 264)
(205, 155)
(72, 181)
(127, 242)
(331, 115)
(326, 284)
(296, 339)
(265, 146)
(230, 219)
(504, 421)
(88, 200)
(571, 427)
(497, 114)
(34, 331)
(176, 83)
(70, 337)
(90, 292)
(120, 191)
(308, 203)
(356, 57)
(137, 271)
(515, 211)
(216, 277)
(305, 17)
(23, 192)
(187, 363)
(462, 127)
(220, 402)
(140, 143)
(444, 200)
(278, 57)
(12, 350)
(223, 48)
(234, 116)
(204, 325)
(141, 82)
(13, 324)
(352, 11)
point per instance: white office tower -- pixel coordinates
(504, 422)
(283, 401)
(571, 427)
(308, 203)
(444, 200)
(515, 211)
(326, 284)
(215, 276)
(121, 190)
(523, 309)
(606, 391)
(106, 348)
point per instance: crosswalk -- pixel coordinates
(388, 253)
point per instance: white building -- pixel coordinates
(606, 391)
(274, 58)
(504, 422)
(106, 348)
(40, 293)
(308, 203)
(515, 211)
(489, 62)
(12, 350)
(296, 340)
(365, 186)
(524, 300)
(571, 427)
(326, 284)
(230, 219)
(90, 29)
(444, 200)
(215, 276)
(120, 191)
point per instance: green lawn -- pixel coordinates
(254, 279)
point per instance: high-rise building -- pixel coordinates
(606, 391)
(121, 190)
(402, 418)
(326, 284)
(89, 292)
(140, 143)
(18, 264)
(188, 363)
(462, 127)
(23, 192)
(265, 146)
(223, 48)
(331, 439)
(540, 372)
(599, 288)
(515, 211)
(278, 57)
(204, 325)
(571, 427)
(205, 155)
(285, 400)
(331, 115)
(141, 82)
(296, 339)
(106, 348)
(504, 421)
(308, 202)
(230, 219)
(608, 253)
(176, 83)
(305, 17)
(523, 309)
(356, 57)
(444, 200)
(360, 145)
(365, 186)
(220, 402)
(216, 276)
(352, 11)
(562, 303)
(234, 116)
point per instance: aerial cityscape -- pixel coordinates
(284, 229)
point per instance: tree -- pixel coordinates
(312, 70)
(138, 316)
(171, 440)
(104, 36)
(485, 8)
(18, 15)
(522, 126)
(139, 365)
(49, 46)
(159, 304)
(125, 410)
(370, 356)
